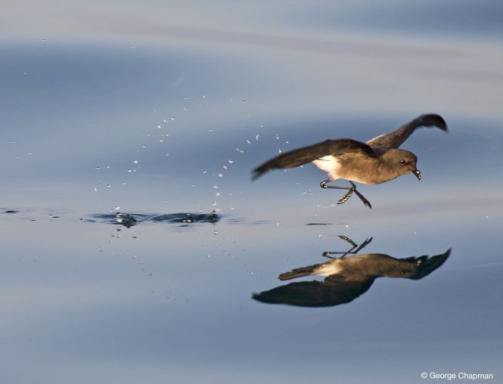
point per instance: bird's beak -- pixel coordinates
(417, 173)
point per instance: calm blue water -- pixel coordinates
(155, 108)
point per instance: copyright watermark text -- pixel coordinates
(450, 376)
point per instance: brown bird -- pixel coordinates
(346, 278)
(377, 161)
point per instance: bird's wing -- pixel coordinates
(315, 293)
(313, 152)
(397, 137)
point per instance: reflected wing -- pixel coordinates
(396, 138)
(314, 293)
(313, 152)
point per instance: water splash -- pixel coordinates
(131, 219)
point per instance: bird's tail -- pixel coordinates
(299, 272)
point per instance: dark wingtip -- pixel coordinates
(262, 297)
(432, 120)
(260, 170)
(256, 174)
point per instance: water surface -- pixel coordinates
(161, 110)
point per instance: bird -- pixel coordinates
(377, 161)
(346, 278)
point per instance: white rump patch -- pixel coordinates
(331, 268)
(328, 164)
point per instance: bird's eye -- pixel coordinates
(402, 162)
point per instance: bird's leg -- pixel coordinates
(343, 199)
(324, 183)
(346, 197)
(363, 245)
(349, 193)
(348, 240)
(351, 250)
(362, 198)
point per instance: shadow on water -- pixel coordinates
(8, 211)
(347, 278)
(130, 219)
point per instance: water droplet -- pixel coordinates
(220, 175)
(135, 161)
(215, 187)
(257, 137)
(248, 141)
(230, 161)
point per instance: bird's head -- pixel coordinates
(402, 162)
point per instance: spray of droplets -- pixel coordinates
(158, 134)
(239, 151)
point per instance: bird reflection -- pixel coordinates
(346, 278)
